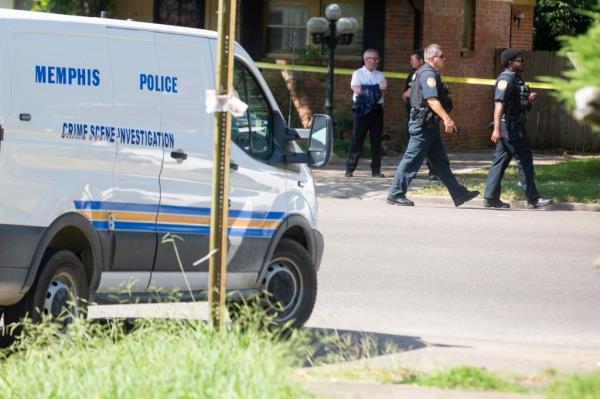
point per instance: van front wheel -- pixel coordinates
(288, 289)
(289, 285)
(59, 293)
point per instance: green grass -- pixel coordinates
(151, 359)
(551, 383)
(465, 377)
(156, 358)
(569, 181)
(340, 148)
(577, 386)
(460, 377)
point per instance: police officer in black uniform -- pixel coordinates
(512, 101)
(430, 104)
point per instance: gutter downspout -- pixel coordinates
(417, 28)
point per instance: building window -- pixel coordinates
(288, 16)
(189, 13)
(284, 20)
(468, 35)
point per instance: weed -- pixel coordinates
(460, 377)
(344, 346)
(466, 377)
(340, 148)
(577, 386)
(151, 359)
(569, 181)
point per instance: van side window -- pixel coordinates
(253, 131)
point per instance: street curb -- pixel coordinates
(514, 204)
(371, 390)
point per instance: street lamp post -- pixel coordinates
(331, 31)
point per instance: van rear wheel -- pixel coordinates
(288, 289)
(60, 291)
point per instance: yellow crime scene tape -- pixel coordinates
(394, 75)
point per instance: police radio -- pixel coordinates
(525, 91)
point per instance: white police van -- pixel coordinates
(106, 146)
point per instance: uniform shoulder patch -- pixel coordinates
(502, 84)
(431, 82)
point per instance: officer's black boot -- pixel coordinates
(467, 197)
(400, 200)
(495, 203)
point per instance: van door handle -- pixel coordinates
(233, 165)
(179, 155)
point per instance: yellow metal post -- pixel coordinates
(219, 215)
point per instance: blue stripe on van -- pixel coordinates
(115, 206)
(150, 227)
(256, 215)
(182, 228)
(236, 232)
(172, 209)
(135, 226)
(183, 210)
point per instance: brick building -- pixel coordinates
(469, 30)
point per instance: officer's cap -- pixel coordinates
(510, 54)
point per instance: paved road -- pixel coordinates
(512, 290)
(515, 277)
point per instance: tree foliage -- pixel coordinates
(90, 8)
(555, 18)
(584, 51)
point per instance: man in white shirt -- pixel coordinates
(368, 85)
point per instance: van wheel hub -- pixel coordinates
(282, 287)
(60, 299)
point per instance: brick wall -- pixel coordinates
(473, 103)
(522, 32)
(442, 24)
(398, 46)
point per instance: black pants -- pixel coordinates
(505, 150)
(372, 123)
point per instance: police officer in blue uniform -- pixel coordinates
(417, 59)
(430, 104)
(512, 100)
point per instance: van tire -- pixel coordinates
(61, 280)
(289, 287)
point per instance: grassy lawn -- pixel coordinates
(569, 181)
(577, 386)
(151, 359)
(551, 386)
(157, 358)
(460, 377)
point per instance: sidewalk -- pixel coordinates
(524, 360)
(332, 183)
(367, 390)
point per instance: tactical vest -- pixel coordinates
(517, 104)
(419, 107)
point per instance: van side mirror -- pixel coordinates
(320, 140)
